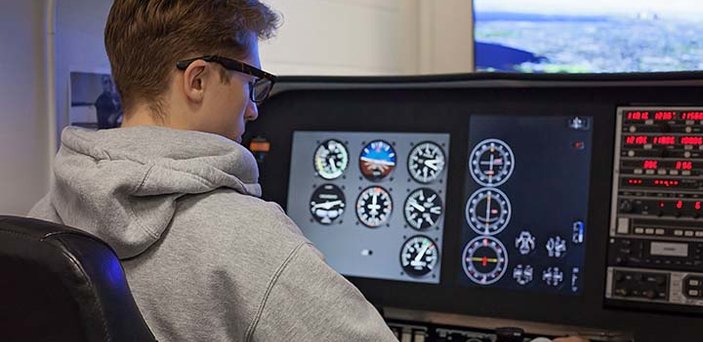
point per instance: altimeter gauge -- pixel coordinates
(484, 260)
(327, 204)
(491, 162)
(331, 159)
(423, 209)
(426, 162)
(377, 160)
(488, 211)
(419, 256)
(374, 206)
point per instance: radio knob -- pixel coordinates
(625, 206)
(622, 292)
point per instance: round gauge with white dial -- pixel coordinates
(327, 204)
(484, 260)
(488, 211)
(419, 256)
(377, 160)
(491, 162)
(423, 208)
(426, 162)
(331, 159)
(374, 206)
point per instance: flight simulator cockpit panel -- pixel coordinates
(562, 200)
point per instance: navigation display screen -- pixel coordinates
(372, 202)
(526, 203)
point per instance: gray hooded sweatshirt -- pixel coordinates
(206, 259)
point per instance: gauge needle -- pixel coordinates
(488, 211)
(417, 206)
(432, 164)
(333, 166)
(485, 260)
(422, 251)
(327, 205)
(373, 208)
(490, 169)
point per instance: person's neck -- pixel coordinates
(143, 115)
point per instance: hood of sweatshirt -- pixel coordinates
(122, 184)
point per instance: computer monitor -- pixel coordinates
(374, 202)
(588, 36)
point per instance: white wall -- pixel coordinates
(446, 37)
(343, 37)
(24, 138)
(370, 37)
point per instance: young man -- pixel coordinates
(176, 195)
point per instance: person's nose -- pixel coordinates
(252, 111)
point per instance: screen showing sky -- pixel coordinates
(588, 36)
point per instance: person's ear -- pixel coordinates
(195, 80)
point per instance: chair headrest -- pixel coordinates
(60, 283)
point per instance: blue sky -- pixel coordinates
(664, 8)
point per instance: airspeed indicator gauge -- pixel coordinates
(331, 159)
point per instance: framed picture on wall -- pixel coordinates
(95, 103)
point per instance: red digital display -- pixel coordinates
(684, 165)
(664, 140)
(679, 204)
(649, 164)
(665, 116)
(634, 181)
(636, 139)
(692, 115)
(637, 115)
(697, 205)
(667, 183)
(691, 140)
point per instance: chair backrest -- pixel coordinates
(60, 284)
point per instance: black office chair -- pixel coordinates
(60, 284)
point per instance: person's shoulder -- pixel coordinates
(227, 213)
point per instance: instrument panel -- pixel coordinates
(656, 231)
(377, 200)
(526, 207)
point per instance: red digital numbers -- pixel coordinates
(665, 116)
(650, 164)
(697, 205)
(692, 115)
(637, 115)
(636, 140)
(679, 204)
(664, 140)
(691, 140)
(684, 165)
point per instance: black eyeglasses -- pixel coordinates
(259, 88)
